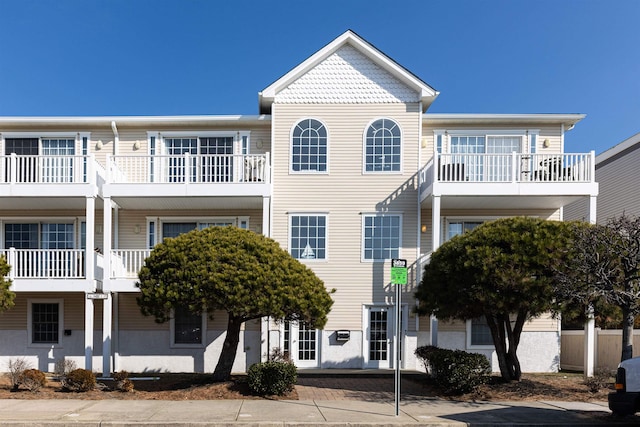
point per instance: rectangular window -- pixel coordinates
(480, 332)
(45, 323)
(187, 327)
(458, 227)
(308, 236)
(381, 237)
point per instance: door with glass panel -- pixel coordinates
(378, 338)
(301, 343)
(43, 251)
(199, 159)
(485, 158)
(47, 160)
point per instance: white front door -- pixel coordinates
(302, 343)
(378, 337)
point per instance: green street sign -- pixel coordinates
(398, 271)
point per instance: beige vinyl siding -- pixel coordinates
(345, 193)
(619, 187)
(131, 319)
(543, 323)
(452, 326)
(16, 317)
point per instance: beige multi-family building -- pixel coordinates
(343, 166)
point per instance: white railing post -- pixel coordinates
(13, 176)
(11, 260)
(592, 166)
(187, 167)
(107, 171)
(514, 169)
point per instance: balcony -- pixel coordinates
(131, 178)
(513, 180)
(48, 176)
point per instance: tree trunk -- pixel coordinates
(229, 349)
(627, 334)
(497, 327)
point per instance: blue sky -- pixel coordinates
(142, 57)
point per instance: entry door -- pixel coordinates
(378, 338)
(302, 343)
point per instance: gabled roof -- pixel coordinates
(426, 93)
(628, 145)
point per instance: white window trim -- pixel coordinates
(326, 235)
(475, 347)
(30, 302)
(524, 134)
(158, 221)
(237, 136)
(76, 221)
(364, 149)
(172, 333)
(307, 172)
(362, 226)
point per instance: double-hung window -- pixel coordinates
(383, 146)
(381, 237)
(308, 236)
(309, 146)
(44, 323)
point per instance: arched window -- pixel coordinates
(382, 146)
(309, 147)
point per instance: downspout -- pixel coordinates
(116, 136)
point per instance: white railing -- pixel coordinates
(45, 169)
(126, 263)
(188, 168)
(45, 263)
(514, 167)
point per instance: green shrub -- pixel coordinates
(455, 371)
(32, 379)
(79, 380)
(269, 378)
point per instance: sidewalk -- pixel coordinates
(336, 401)
(300, 413)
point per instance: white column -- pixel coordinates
(435, 244)
(107, 309)
(266, 208)
(592, 209)
(88, 333)
(106, 284)
(589, 344)
(89, 255)
(435, 223)
(590, 325)
(106, 244)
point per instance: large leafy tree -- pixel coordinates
(6, 295)
(238, 271)
(500, 271)
(603, 269)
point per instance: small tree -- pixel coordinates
(603, 268)
(226, 268)
(500, 271)
(6, 295)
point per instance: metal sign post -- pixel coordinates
(398, 278)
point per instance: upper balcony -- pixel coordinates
(507, 181)
(165, 177)
(49, 175)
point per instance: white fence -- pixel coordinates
(45, 263)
